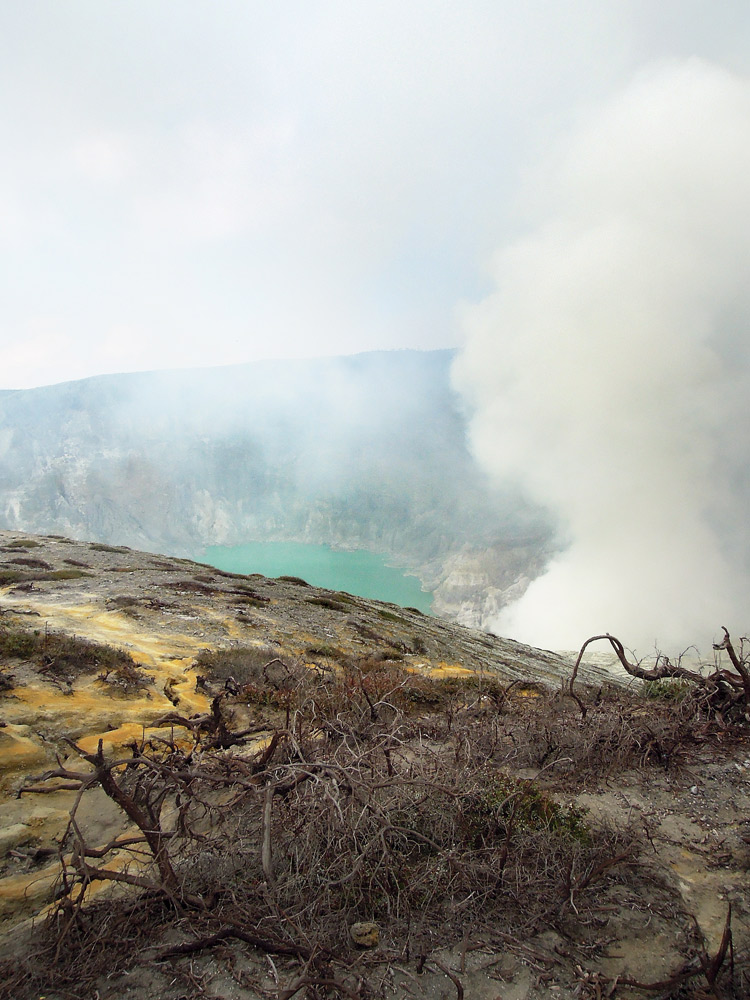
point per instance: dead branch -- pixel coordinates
(144, 814)
(266, 856)
(737, 662)
(453, 978)
(719, 682)
(268, 945)
(713, 967)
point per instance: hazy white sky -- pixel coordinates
(197, 183)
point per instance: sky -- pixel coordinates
(206, 183)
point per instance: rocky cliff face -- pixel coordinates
(358, 452)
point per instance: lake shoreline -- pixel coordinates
(354, 571)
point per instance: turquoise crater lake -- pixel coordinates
(362, 573)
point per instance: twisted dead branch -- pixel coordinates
(722, 691)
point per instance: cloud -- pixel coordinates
(41, 349)
(256, 181)
(605, 370)
(103, 157)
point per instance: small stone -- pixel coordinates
(365, 933)
(693, 789)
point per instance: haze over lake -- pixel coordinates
(364, 574)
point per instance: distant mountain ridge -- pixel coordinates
(364, 451)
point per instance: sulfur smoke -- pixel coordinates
(609, 372)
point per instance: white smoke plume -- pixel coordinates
(609, 371)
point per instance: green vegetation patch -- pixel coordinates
(297, 580)
(18, 644)
(65, 574)
(24, 543)
(344, 598)
(101, 547)
(254, 600)
(63, 658)
(326, 602)
(670, 689)
(521, 804)
(390, 616)
(8, 576)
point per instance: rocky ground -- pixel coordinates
(679, 790)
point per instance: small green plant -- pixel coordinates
(387, 654)
(294, 579)
(522, 804)
(471, 686)
(254, 600)
(673, 689)
(344, 598)
(24, 543)
(389, 616)
(101, 547)
(327, 602)
(16, 644)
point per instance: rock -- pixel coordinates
(13, 836)
(19, 751)
(365, 933)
